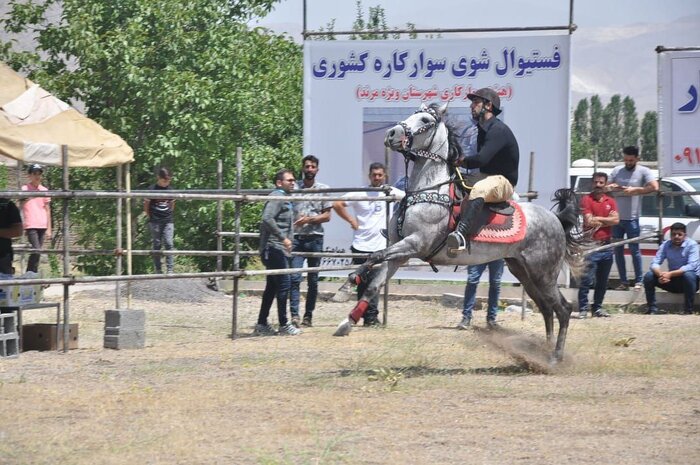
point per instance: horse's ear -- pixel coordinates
(443, 108)
(423, 107)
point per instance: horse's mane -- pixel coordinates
(454, 151)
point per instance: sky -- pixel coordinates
(612, 48)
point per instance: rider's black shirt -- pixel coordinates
(498, 151)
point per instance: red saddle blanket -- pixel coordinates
(503, 229)
(496, 228)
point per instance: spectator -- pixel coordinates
(367, 221)
(474, 275)
(10, 227)
(275, 249)
(37, 215)
(308, 237)
(629, 181)
(160, 221)
(683, 270)
(599, 216)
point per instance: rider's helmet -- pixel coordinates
(490, 95)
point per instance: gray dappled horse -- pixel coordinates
(536, 260)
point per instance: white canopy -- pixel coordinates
(34, 125)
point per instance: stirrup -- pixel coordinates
(456, 242)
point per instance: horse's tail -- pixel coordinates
(568, 214)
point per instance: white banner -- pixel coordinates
(679, 117)
(355, 90)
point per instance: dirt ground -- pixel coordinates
(416, 392)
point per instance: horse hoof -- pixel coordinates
(343, 294)
(344, 328)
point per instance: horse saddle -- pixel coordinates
(502, 222)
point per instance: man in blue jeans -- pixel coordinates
(474, 275)
(683, 258)
(599, 217)
(628, 182)
(308, 237)
(275, 248)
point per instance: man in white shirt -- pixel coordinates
(367, 221)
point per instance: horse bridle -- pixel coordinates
(407, 150)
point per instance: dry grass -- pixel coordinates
(418, 392)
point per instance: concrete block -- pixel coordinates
(9, 348)
(125, 340)
(125, 329)
(125, 319)
(8, 323)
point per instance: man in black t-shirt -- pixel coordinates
(160, 220)
(10, 227)
(497, 158)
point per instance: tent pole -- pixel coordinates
(219, 214)
(127, 182)
(237, 242)
(66, 251)
(120, 212)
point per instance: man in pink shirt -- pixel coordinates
(36, 213)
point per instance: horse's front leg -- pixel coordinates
(394, 257)
(382, 275)
(400, 251)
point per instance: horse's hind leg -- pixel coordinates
(541, 286)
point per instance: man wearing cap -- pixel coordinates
(36, 212)
(497, 159)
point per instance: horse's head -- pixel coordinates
(423, 134)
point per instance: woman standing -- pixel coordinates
(37, 214)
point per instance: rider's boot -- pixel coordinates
(459, 239)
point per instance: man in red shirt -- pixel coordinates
(599, 215)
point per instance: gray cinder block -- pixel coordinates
(125, 329)
(126, 319)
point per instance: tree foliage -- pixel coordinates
(649, 149)
(372, 24)
(630, 123)
(184, 83)
(602, 131)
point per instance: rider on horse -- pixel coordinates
(497, 159)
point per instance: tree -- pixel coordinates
(611, 129)
(184, 83)
(630, 123)
(580, 132)
(374, 23)
(607, 130)
(648, 147)
(596, 125)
